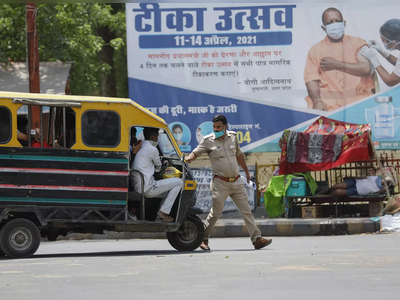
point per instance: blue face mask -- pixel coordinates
(218, 134)
(178, 136)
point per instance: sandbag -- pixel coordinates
(393, 206)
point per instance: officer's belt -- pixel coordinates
(227, 179)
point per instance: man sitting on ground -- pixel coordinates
(358, 186)
(147, 161)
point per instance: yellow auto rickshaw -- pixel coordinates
(75, 177)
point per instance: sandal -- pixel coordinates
(163, 217)
(204, 246)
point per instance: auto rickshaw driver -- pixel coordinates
(147, 161)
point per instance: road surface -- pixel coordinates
(336, 267)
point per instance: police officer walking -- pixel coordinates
(224, 152)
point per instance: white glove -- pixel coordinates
(378, 46)
(370, 55)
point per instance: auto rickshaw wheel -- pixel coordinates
(19, 238)
(189, 236)
(1, 252)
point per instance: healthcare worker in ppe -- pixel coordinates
(390, 36)
(335, 74)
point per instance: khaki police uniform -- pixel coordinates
(223, 156)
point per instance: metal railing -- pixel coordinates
(263, 177)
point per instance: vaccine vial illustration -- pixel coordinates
(384, 118)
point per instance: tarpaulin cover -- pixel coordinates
(329, 126)
(324, 145)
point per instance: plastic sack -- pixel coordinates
(171, 172)
(391, 223)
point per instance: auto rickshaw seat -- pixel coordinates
(134, 196)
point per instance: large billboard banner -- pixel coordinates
(267, 67)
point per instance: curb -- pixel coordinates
(269, 227)
(298, 227)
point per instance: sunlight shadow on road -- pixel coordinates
(119, 253)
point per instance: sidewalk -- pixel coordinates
(297, 227)
(232, 225)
